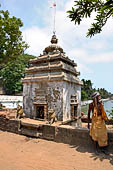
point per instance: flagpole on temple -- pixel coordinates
(54, 26)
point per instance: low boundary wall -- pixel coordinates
(75, 137)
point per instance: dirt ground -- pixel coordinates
(23, 153)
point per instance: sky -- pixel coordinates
(94, 56)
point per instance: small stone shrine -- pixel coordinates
(52, 82)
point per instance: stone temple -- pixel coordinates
(52, 82)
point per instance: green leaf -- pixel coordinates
(84, 9)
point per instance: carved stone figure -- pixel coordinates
(51, 116)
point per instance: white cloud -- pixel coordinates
(37, 39)
(101, 58)
(83, 56)
(83, 68)
(96, 45)
(78, 55)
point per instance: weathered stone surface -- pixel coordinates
(8, 125)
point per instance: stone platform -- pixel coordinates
(78, 137)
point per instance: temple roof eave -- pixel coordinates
(51, 78)
(52, 69)
(52, 57)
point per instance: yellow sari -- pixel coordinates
(98, 130)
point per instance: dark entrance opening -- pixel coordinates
(75, 111)
(40, 112)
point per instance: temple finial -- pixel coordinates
(54, 40)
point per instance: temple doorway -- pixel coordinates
(40, 112)
(74, 110)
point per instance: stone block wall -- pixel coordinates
(56, 95)
(8, 125)
(74, 137)
(68, 90)
(43, 92)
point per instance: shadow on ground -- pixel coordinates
(96, 155)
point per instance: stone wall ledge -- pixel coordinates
(73, 136)
(109, 122)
